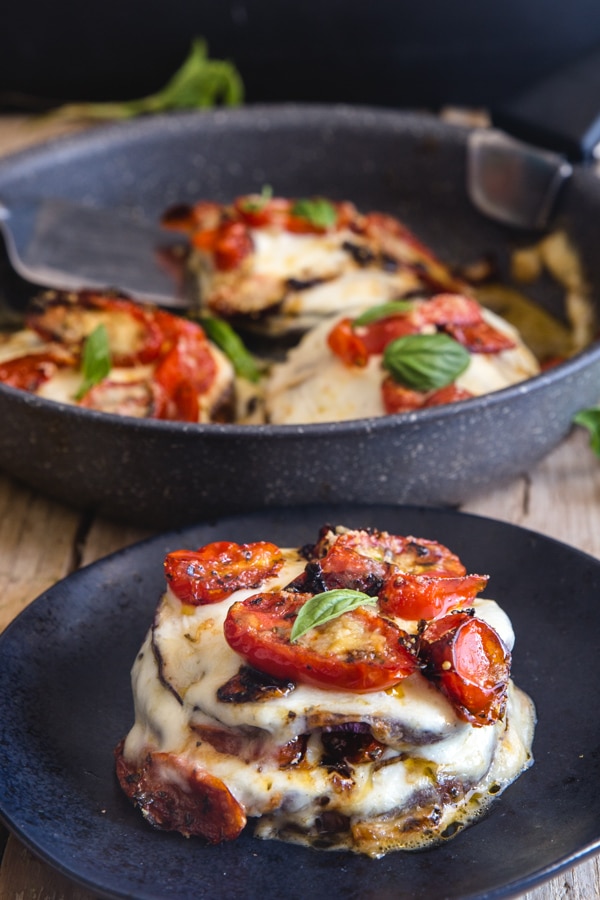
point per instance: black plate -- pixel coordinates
(66, 701)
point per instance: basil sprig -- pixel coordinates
(327, 606)
(425, 362)
(96, 360)
(223, 335)
(318, 212)
(590, 419)
(382, 311)
(200, 83)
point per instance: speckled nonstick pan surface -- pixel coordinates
(165, 474)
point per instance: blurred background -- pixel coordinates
(424, 54)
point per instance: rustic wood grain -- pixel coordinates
(42, 541)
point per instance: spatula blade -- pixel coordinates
(60, 244)
(511, 181)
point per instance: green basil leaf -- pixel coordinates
(393, 308)
(425, 362)
(96, 360)
(223, 335)
(327, 606)
(199, 83)
(319, 212)
(590, 419)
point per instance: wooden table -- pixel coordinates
(42, 541)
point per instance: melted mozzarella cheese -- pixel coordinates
(286, 255)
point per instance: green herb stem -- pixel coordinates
(200, 83)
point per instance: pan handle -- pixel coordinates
(560, 112)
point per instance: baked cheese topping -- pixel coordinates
(370, 770)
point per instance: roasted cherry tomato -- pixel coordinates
(343, 567)
(216, 570)
(451, 393)
(259, 212)
(409, 596)
(408, 553)
(359, 651)
(177, 795)
(471, 665)
(449, 309)
(29, 372)
(378, 334)
(396, 398)
(480, 337)
(229, 243)
(347, 345)
(186, 371)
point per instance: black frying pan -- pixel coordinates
(164, 474)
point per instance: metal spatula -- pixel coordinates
(517, 179)
(59, 244)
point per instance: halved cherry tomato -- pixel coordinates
(347, 345)
(471, 665)
(359, 651)
(258, 212)
(378, 334)
(396, 398)
(29, 372)
(177, 795)
(451, 393)
(186, 371)
(218, 569)
(449, 309)
(410, 596)
(229, 243)
(480, 337)
(343, 567)
(408, 553)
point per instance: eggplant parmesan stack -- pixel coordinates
(353, 694)
(398, 357)
(279, 266)
(106, 352)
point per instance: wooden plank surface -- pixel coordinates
(42, 541)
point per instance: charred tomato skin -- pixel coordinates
(259, 629)
(214, 571)
(468, 661)
(176, 795)
(410, 596)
